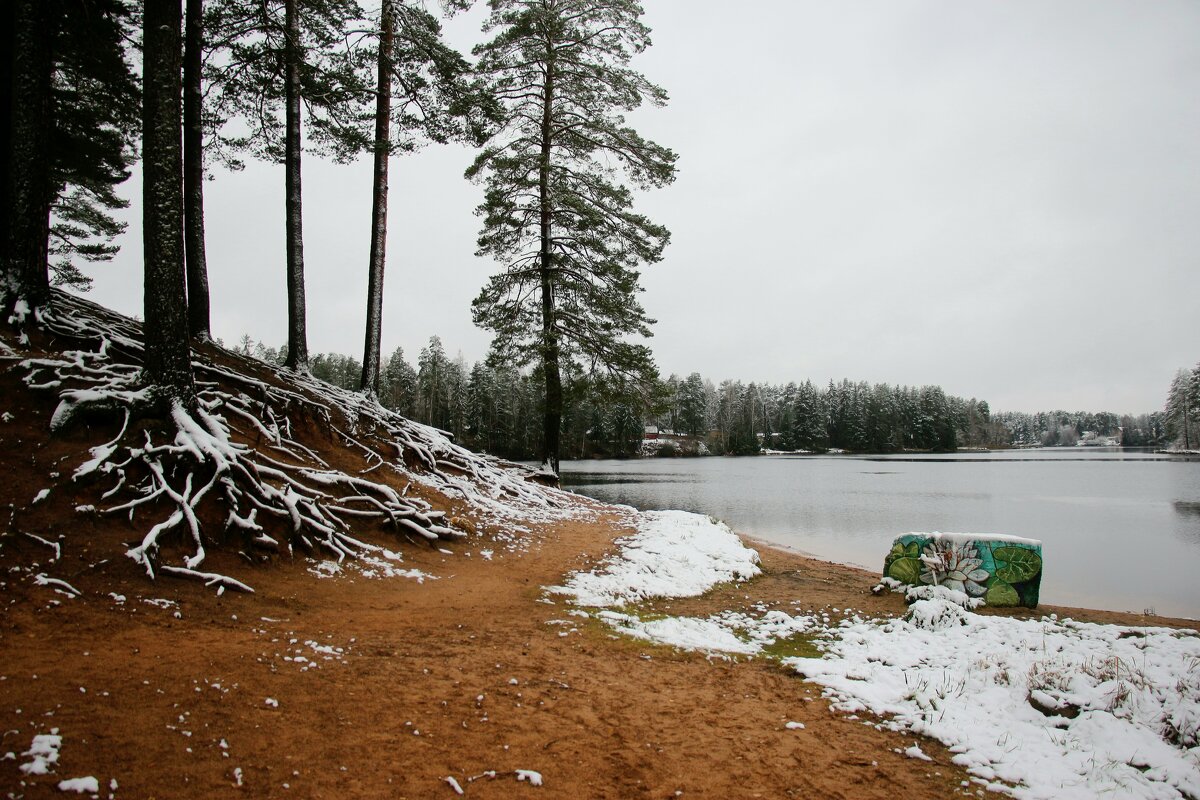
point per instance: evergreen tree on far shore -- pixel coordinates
(1183, 409)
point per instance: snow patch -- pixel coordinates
(88, 785)
(936, 615)
(534, 778)
(1056, 709)
(43, 753)
(688, 633)
(939, 593)
(916, 752)
(728, 632)
(671, 554)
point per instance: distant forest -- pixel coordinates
(498, 409)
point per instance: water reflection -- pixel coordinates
(1099, 514)
(601, 479)
(1187, 508)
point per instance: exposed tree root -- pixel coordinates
(239, 448)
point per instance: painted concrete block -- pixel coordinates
(1002, 570)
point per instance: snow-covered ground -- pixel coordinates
(1037, 708)
(1056, 708)
(672, 554)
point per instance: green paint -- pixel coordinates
(1021, 564)
(1004, 573)
(1001, 593)
(905, 570)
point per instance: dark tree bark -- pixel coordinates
(25, 273)
(193, 177)
(297, 357)
(379, 199)
(168, 367)
(552, 423)
(7, 45)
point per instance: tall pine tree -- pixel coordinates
(555, 218)
(168, 366)
(423, 92)
(28, 191)
(193, 171)
(285, 57)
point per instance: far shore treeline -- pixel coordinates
(497, 409)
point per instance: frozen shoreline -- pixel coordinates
(1043, 708)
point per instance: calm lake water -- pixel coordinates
(1120, 529)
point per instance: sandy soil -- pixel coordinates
(456, 676)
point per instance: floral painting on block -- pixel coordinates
(1001, 570)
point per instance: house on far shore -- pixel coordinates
(1093, 439)
(651, 433)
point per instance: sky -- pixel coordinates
(1000, 198)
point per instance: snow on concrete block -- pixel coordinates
(1000, 570)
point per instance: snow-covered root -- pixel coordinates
(41, 579)
(210, 578)
(55, 546)
(240, 444)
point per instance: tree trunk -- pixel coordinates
(193, 177)
(552, 422)
(7, 52)
(297, 356)
(25, 272)
(168, 366)
(379, 199)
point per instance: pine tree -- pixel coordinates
(693, 405)
(71, 105)
(379, 197)
(8, 44)
(1181, 409)
(28, 191)
(809, 419)
(563, 230)
(283, 57)
(96, 122)
(168, 366)
(1192, 402)
(399, 384)
(481, 408)
(422, 93)
(193, 172)
(432, 395)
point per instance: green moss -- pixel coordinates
(798, 645)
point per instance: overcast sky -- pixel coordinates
(1002, 198)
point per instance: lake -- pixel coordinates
(1120, 529)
